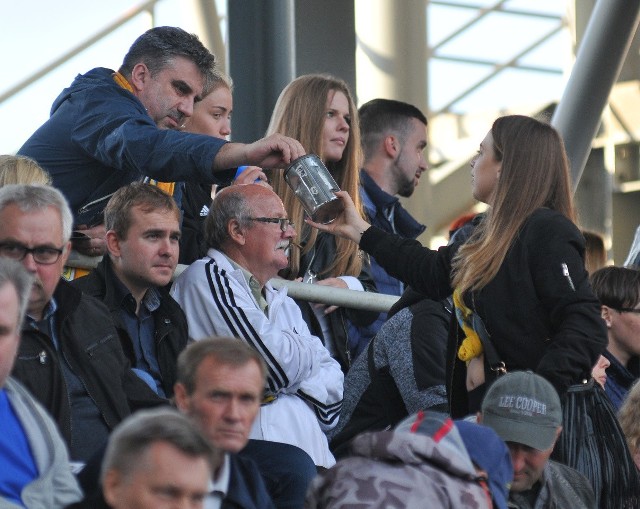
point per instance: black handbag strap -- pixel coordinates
(491, 354)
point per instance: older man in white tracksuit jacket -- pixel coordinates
(227, 293)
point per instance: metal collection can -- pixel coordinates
(314, 186)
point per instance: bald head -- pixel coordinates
(249, 224)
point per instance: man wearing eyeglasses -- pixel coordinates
(228, 293)
(70, 356)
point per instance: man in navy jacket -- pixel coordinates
(394, 138)
(111, 128)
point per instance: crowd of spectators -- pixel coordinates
(131, 387)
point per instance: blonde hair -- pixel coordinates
(629, 417)
(21, 170)
(218, 80)
(300, 113)
(534, 174)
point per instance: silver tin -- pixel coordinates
(314, 186)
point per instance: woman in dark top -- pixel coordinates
(523, 299)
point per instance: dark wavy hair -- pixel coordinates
(159, 46)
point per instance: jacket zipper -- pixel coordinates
(565, 273)
(87, 206)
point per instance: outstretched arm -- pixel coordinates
(349, 224)
(274, 151)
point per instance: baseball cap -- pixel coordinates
(523, 407)
(487, 450)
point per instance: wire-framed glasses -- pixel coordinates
(282, 221)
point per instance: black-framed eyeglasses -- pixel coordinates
(627, 310)
(44, 255)
(282, 221)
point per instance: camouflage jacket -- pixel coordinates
(399, 470)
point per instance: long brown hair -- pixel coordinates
(534, 174)
(300, 113)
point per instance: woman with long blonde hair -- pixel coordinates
(211, 116)
(318, 110)
(521, 292)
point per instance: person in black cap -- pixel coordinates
(524, 410)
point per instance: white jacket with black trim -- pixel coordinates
(306, 379)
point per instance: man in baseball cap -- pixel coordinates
(524, 410)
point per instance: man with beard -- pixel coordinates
(394, 138)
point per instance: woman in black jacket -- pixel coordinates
(523, 299)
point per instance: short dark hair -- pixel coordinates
(157, 48)
(381, 116)
(136, 434)
(117, 213)
(617, 287)
(225, 350)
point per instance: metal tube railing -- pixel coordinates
(313, 293)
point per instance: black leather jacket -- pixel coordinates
(171, 333)
(90, 344)
(315, 262)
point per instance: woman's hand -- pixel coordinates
(349, 224)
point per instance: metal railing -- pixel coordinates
(313, 293)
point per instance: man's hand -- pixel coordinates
(89, 241)
(251, 175)
(335, 282)
(275, 151)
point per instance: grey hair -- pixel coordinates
(33, 197)
(13, 273)
(227, 351)
(230, 203)
(135, 435)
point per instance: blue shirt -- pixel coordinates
(141, 329)
(17, 465)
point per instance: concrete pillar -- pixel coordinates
(261, 61)
(391, 55)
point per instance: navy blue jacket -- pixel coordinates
(246, 487)
(620, 378)
(170, 324)
(376, 204)
(99, 138)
